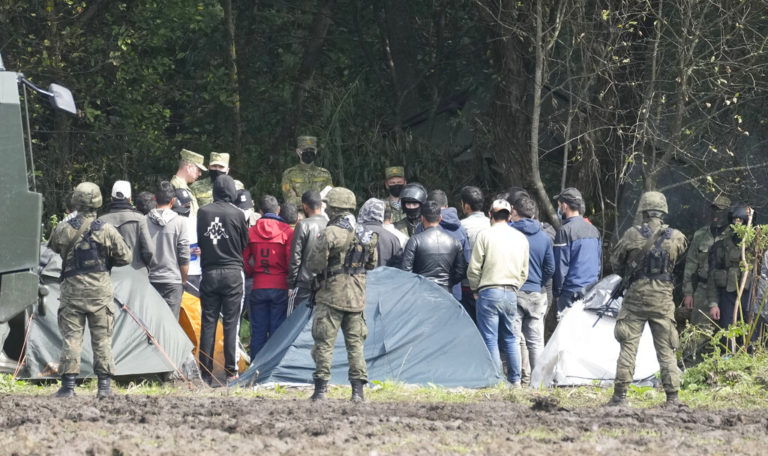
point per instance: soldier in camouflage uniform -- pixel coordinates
(724, 275)
(88, 248)
(340, 258)
(218, 165)
(306, 175)
(696, 268)
(395, 182)
(190, 168)
(645, 256)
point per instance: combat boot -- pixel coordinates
(67, 386)
(357, 390)
(672, 400)
(619, 398)
(105, 389)
(321, 387)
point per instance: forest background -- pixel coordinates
(611, 97)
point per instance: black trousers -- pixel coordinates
(221, 293)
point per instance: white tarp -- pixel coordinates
(581, 352)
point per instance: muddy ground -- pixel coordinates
(203, 425)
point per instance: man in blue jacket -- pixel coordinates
(451, 224)
(532, 297)
(577, 250)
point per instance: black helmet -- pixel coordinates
(738, 211)
(414, 192)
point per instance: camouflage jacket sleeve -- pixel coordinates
(318, 257)
(691, 265)
(373, 259)
(619, 255)
(713, 292)
(118, 252)
(289, 194)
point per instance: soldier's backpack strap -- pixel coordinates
(86, 255)
(336, 263)
(643, 268)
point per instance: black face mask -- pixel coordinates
(214, 174)
(395, 190)
(308, 156)
(412, 214)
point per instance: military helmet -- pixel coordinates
(653, 201)
(414, 192)
(738, 211)
(721, 202)
(341, 198)
(87, 194)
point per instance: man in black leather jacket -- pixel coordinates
(304, 238)
(433, 253)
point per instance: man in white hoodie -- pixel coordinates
(169, 232)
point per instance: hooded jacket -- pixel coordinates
(541, 260)
(222, 232)
(168, 232)
(268, 253)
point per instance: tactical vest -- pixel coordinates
(655, 263)
(355, 252)
(87, 255)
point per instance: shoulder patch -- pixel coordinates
(75, 222)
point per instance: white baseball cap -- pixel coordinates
(121, 190)
(501, 205)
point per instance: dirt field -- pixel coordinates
(156, 425)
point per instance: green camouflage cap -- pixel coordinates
(394, 171)
(219, 158)
(239, 185)
(722, 203)
(341, 198)
(653, 201)
(194, 158)
(306, 142)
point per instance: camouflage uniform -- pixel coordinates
(649, 298)
(724, 276)
(87, 295)
(177, 182)
(203, 188)
(304, 176)
(340, 300)
(395, 204)
(697, 267)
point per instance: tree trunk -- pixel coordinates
(237, 131)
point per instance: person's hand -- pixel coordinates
(688, 302)
(714, 313)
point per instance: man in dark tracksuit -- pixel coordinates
(222, 234)
(577, 250)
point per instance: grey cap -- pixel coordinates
(372, 211)
(570, 195)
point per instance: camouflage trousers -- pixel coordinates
(629, 328)
(693, 349)
(325, 329)
(72, 319)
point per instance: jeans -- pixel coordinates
(529, 324)
(268, 308)
(496, 310)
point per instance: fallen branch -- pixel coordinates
(713, 173)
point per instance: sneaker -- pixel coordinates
(231, 379)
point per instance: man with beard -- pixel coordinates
(412, 198)
(306, 175)
(394, 183)
(218, 165)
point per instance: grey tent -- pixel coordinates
(135, 352)
(417, 333)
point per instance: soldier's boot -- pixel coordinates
(321, 387)
(672, 400)
(357, 390)
(105, 389)
(67, 386)
(619, 398)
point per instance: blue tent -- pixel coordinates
(417, 333)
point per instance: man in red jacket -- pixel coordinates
(266, 260)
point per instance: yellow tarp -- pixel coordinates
(189, 319)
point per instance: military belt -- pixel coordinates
(664, 277)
